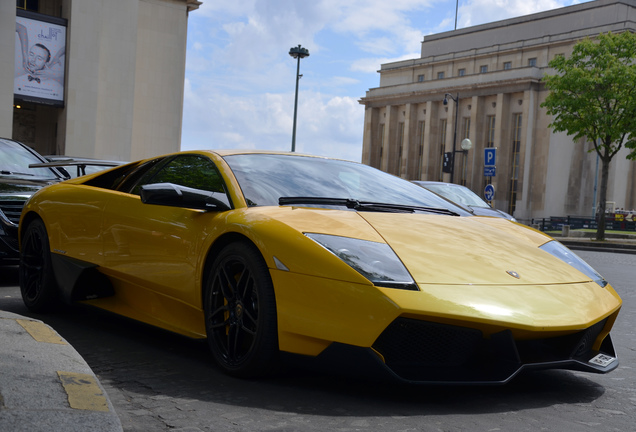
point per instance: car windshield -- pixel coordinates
(457, 194)
(266, 178)
(15, 160)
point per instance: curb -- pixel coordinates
(586, 244)
(45, 385)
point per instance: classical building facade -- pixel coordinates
(109, 82)
(483, 83)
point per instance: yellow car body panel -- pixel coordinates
(159, 265)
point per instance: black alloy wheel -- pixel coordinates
(37, 281)
(240, 312)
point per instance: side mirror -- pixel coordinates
(173, 195)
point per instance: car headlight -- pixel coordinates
(561, 252)
(375, 261)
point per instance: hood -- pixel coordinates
(471, 250)
(28, 185)
(445, 250)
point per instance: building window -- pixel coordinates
(400, 147)
(490, 138)
(442, 147)
(440, 75)
(490, 131)
(507, 65)
(465, 134)
(30, 5)
(420, 154)
(381, 140)
(483, 69)
(532, 62)
(461, 72)
(514, 175)
(420, 78)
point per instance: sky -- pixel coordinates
(240, 80)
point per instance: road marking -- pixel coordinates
(83, 391)
(41, 332)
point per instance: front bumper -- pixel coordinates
(421, 352)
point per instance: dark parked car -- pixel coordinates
(465, 197)
(18, 181)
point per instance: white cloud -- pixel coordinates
(326, 125)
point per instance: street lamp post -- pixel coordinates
(466, 144)
(297, 53)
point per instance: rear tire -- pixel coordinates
(37, 282)
(240, 312)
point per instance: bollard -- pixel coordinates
(565, 231)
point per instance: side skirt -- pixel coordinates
(79, 280)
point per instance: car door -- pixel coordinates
(159, 248)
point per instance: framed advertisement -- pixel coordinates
(40, 54)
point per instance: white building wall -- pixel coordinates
(101, 62)
(158, 100)
(7, 54)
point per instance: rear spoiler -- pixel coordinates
(80, 163)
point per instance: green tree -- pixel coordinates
(593, 96)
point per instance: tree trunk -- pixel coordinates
(600, 230)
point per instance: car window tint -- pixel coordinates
(15, 159)
(132, 181)
(458, 194)
(119, 178)
(193, 171)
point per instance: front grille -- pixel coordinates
(574, 345)
(12, 208)
(409, 342)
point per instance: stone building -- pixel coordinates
(114, 75)
(490, 76)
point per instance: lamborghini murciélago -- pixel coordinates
(263, 253)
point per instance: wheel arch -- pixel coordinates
(216, 247)
(24, 223)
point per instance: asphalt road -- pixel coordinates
(161, 382)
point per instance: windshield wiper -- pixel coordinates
(364, 205)
(15, 173)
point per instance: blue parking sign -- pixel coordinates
(490, 156)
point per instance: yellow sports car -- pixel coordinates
(264, 252)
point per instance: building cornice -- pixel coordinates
(193, 5)
(514, 80)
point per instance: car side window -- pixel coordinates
(120, 178)
(193, 171)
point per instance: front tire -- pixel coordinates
(37, 281)
(240, 312)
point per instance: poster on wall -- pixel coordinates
(40, 50)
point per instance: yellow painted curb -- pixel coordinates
(41, 332)
(83, 391)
